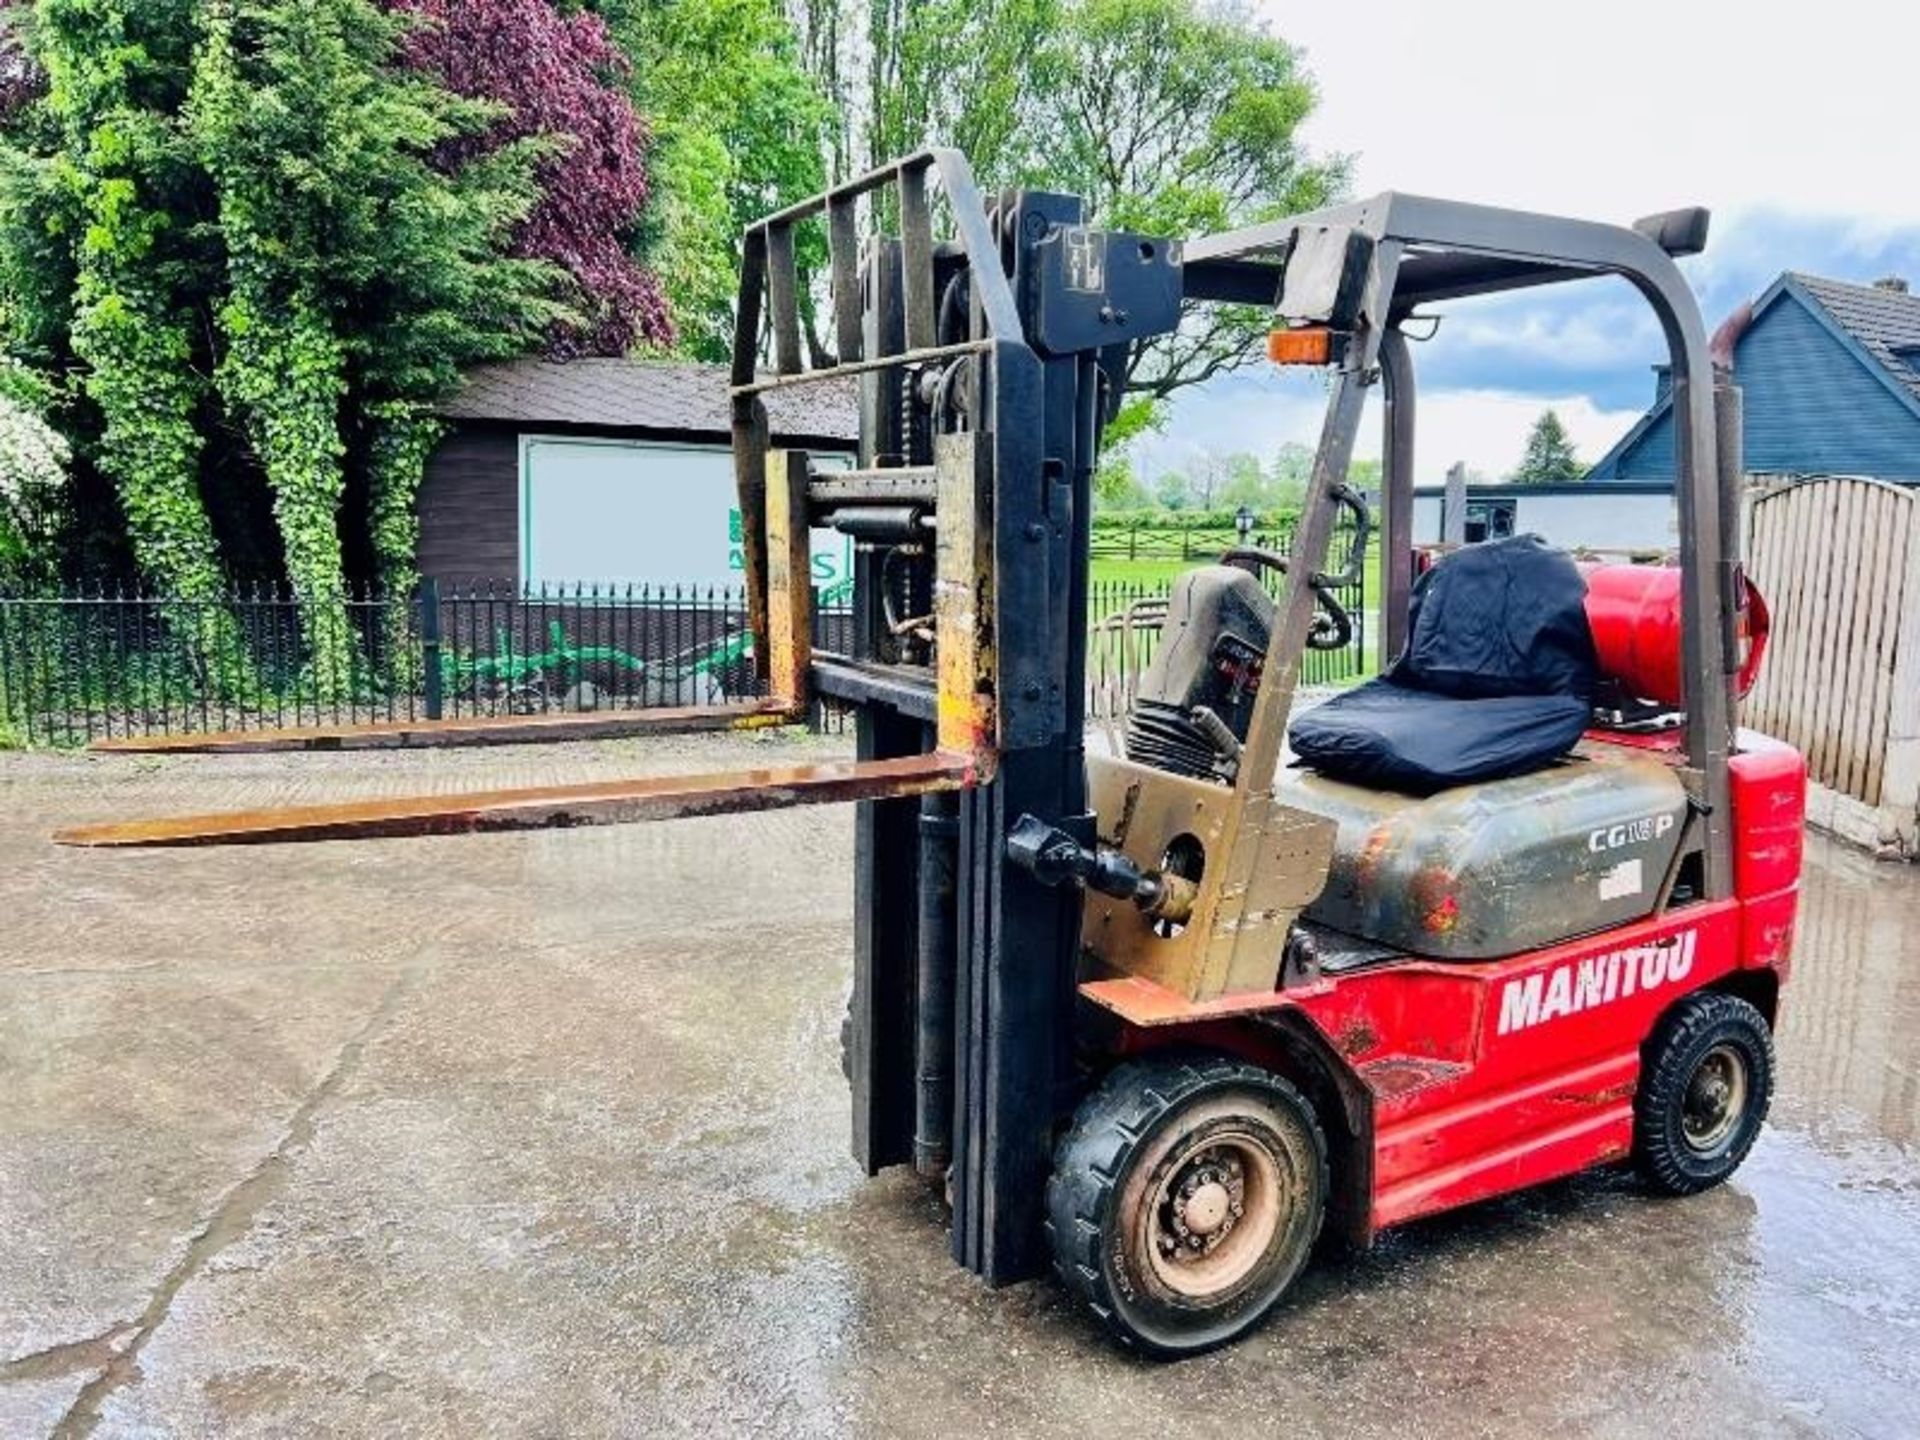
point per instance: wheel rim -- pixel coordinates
(1212, 1215)
(1715, 1099)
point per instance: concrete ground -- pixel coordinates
(545, 1135)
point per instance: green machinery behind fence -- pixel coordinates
(560, 673)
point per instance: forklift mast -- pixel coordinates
(987, 366)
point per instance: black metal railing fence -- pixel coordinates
(99, 664)
(94, 664)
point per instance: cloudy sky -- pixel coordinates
(1793, 122)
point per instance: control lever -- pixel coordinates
(1055, 858)
(1333, 627)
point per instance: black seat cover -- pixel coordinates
(1390, 737)
(1497, 678)
(1505, 618)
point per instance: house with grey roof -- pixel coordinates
(1829, 373)
(606, 472)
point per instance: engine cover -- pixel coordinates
(1482, 871)
(1212, 646)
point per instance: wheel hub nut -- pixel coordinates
(1207, 1207)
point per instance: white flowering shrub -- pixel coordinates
(33, 477)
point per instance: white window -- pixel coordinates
(619, 512)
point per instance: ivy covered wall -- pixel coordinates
(246, 245)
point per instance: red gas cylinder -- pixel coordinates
(1634, 611)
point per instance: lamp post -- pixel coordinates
(1243, 522)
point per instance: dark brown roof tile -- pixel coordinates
(619, 394)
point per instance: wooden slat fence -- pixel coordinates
(1838, 559)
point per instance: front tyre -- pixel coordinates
(1185, 1199)
(1704, 1091)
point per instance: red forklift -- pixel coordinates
(1157, 1014)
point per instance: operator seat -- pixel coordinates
(1497, 678)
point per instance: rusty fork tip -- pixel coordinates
(461, 731)
(110, 836)
(85, 837)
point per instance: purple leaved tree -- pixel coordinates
(22, 81)
(557, 75)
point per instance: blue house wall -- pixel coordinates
(1649, 457)
(1812, 405)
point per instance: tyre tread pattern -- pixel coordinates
(1088, 1162)
(1676, 1046)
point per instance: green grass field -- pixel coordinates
(1150, 575)
(1153, 574)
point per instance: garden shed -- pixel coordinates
(605, 472)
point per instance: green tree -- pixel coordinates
(1549, 457)
(1179, 118)
(961, 73)
(1292, 467)
(446, 295)
(1225, 481)
(270, 94)
(1172, 490)
(114, 186)
(442, 290)
(318, 152)
(1172, 117)
(1116, 487)
(900, 74)
(1246, 484)
(893, 76)
(739, 131)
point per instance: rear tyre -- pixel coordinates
(1705, 1085)
(1185, 1199)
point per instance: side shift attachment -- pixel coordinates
(1053, 857)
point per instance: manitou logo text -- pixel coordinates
(1598, 980)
